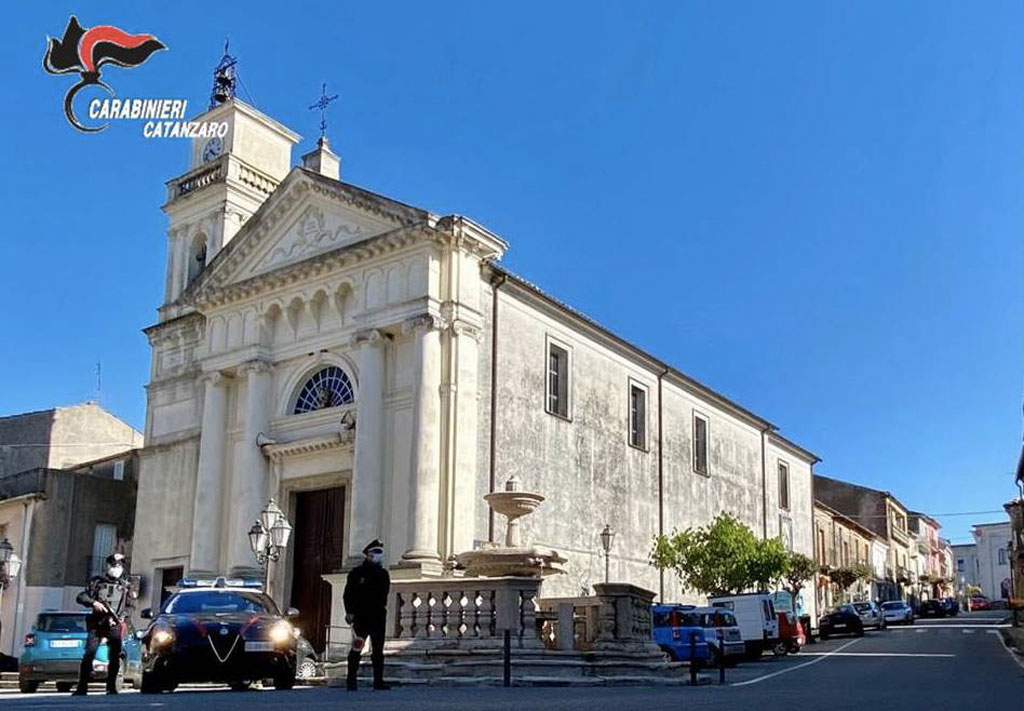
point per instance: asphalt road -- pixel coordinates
(958, 664)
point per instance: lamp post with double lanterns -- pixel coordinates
(268, 538)
(10, 566)
(607, 538)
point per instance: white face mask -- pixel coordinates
(115, 571)
(376, 558)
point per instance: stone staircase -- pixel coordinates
(457, 667)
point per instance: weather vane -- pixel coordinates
(321, 104)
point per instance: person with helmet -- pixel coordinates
(366, 601)
(107, 596)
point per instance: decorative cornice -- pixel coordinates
(423, 322)
(310, 445)
(369, 336)
(256, 365)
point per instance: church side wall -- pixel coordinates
(590, 473)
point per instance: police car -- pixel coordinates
(222, 631)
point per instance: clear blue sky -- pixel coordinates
(815, 208)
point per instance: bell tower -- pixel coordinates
(229, 176)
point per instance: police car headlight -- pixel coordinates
(162, 638)
(280, 632)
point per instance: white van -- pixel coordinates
(756, 618)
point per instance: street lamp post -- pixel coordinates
(268, 538)
(607, 537)
(10, 566)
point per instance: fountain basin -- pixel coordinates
(513, 504)
(493, 561)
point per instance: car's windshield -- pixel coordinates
(895, 605)
(219, 601)
(60, 623)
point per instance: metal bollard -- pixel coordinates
(693, 658)
(508, 659)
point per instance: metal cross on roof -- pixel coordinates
(321, 104)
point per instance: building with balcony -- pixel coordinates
(886, 517)
(841, 542)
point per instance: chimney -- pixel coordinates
(323, 160)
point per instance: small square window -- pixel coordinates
(557, 380)
(637, 416)
(700, 444)
(783, 485)
(119, 470)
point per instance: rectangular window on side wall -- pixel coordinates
(1002, 556)
(700, 444)
(783, 486)
(637, 415)
(558, 373)
(119, 470)
(104, 539)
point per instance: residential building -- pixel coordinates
(62, 523)
(374, 368)
(966, 569)
(885, 516)
(840, 542)
(993, 545)
(926, 564)
(1015, 509)
(62, 437)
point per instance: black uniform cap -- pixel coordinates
(115, 558)
(375, 543)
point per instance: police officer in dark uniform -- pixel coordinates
(107, 596)
(366, 600)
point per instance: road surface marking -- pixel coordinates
(822, 658)
(1013, 655)
(919, 630)
(960, 626)
(872, 654)
(967, 631)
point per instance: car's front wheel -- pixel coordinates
(152, 684)
(27, 687)
(285, 680)
(65, 686)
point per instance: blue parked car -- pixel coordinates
(54, 648)
(713, 630)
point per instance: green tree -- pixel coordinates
(721, 558)
(799, 570)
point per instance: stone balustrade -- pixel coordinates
(463, 613)
(617, 616)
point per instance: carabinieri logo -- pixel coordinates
(86, 51)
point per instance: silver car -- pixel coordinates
(898, 612)
(870, 615)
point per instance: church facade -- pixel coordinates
(372, 367)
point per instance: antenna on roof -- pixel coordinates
(99, 381)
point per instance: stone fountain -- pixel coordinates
(493, 560)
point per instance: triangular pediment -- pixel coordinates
(306, 216)
(314, 227)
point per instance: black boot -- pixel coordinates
(353, 670)
(378, 673)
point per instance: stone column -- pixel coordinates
(209, 495)
(424, 482)
(249, 478)
(368, 472)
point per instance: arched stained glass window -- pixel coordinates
(329, 387)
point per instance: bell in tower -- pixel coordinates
(224, 79)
